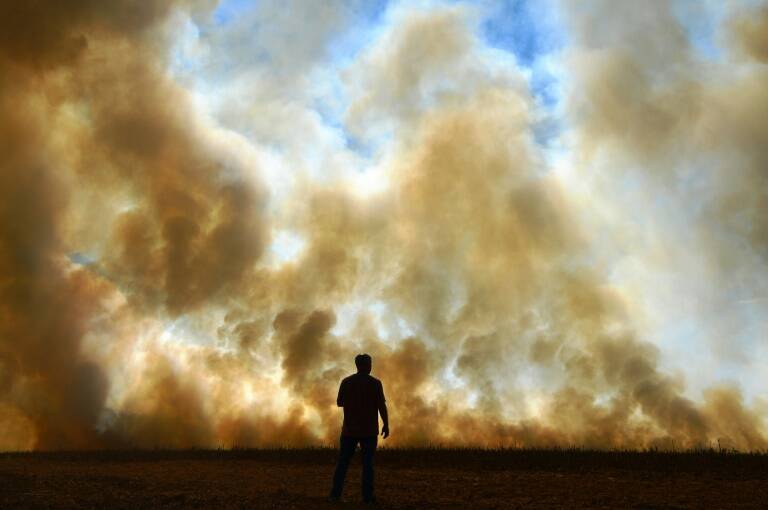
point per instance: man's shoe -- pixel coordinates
(334, 499)
(371, 501)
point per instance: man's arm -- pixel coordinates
(383, 412)
(385, 419)
(340, 397)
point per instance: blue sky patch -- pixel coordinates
(228, 10)
(524, 28)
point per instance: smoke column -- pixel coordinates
(205, 214)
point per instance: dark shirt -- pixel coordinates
(361, 396)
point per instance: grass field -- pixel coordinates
(414, 478)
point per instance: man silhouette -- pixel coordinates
(362, 397)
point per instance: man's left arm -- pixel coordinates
(340, 396)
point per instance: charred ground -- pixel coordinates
(406, 478)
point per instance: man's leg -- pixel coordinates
(368, 447)
(346, 450)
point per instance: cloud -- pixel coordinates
(506, 311)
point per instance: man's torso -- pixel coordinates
(361, 396)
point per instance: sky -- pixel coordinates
(547, 221)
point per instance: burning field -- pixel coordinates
(406, 479)
(547, 222)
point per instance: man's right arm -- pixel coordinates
(383, 412)
(385, 419)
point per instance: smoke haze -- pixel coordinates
(205, 215)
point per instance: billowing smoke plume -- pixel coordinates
(143, 301)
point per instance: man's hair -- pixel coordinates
(362, 360)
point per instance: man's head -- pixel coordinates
(363, 363)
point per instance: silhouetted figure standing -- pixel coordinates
(362, 397)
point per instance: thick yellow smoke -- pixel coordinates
(472, 279)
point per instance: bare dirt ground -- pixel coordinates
(414, 479)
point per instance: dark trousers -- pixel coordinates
(347, 447)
